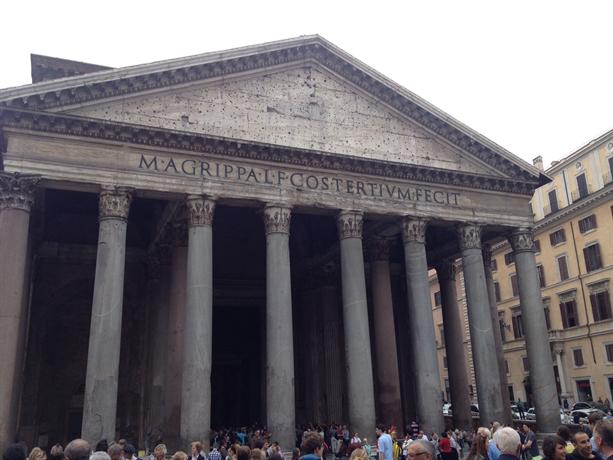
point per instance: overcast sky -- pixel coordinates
(534, 76)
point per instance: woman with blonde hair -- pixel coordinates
(358, 454)
(37, 454)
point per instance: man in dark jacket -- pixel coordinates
(603, 435)
(312, 446)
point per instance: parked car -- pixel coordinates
(447, 409)
(591, 406)
(531, 415)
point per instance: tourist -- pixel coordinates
(295, 453)
(14, 452)
(160, 451)
(554, 448)
(521, 409)
(57, 452)
(196, 449)
(583, 448)
(129, 452)
(508, 442)
(214, 454)
(77, 449)
(530, 446)
(37, 454)
(479, 449)
(115, 452)
(243, 453)
(359, 454)
(603, 432)
(99, 455)
(592, 420)
(421, 450)
(366, 447)
(312, 446)
(102, 446)
(179, 455)
(564, 433)
(444, 447)
(384, 444)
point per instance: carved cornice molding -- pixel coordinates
(469, 236)
(200, 210)
(380, 248)
(446, 270)
(277, 218)
(114, 203)
(69, 125)
(350, 224)
(17, 190)
(414, 230)
(522, 240)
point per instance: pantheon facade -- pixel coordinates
(245, 237)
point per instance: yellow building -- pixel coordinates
(574, 240)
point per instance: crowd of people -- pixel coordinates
(315, 442)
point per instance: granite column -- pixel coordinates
(101, 381)
(280, 397)
(545, 394)
(480, 322)
(388, 380)
(454, 346)
(504, 387)
(421, 327)
(16, 199)
(198, 335)
(360, 388)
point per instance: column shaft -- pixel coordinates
(481, 329)
(388, 380)
(361, 398)
(198, 336)
(537, 339)
(101, 381)
(421, 323)
(502, 372)
(280, 398)
(333, 359)
(454, 347)
(16, 197)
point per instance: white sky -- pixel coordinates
(534, 76)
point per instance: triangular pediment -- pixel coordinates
(305, 107)
(302, 92)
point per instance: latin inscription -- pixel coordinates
(299, 180)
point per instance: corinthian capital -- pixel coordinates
(200, 210)
(17, 190)
(469, 236)
(380, 248)
(114, 202)
(350, 224)
(414, 229)
(522, 240)
(277, 218)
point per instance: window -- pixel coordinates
(541, 272)
(441, 331)
(537, 246)
(591, 254)
(518, 327)
(525, 363)
(608, 349)
(582, 186)
(557, 237)
(437, 299)
(514, 287)
(494, 265)
(578, 357)
(601, 301)
(509, 258)
(497, 291)
(568, 310)
(444, 362)
(503, 326)
(587, 223)
(553, 201)
(563, 268)
(547, 318)
(511, 393)
(506, 367)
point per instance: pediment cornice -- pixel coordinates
(74, 126)
(120, 83)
